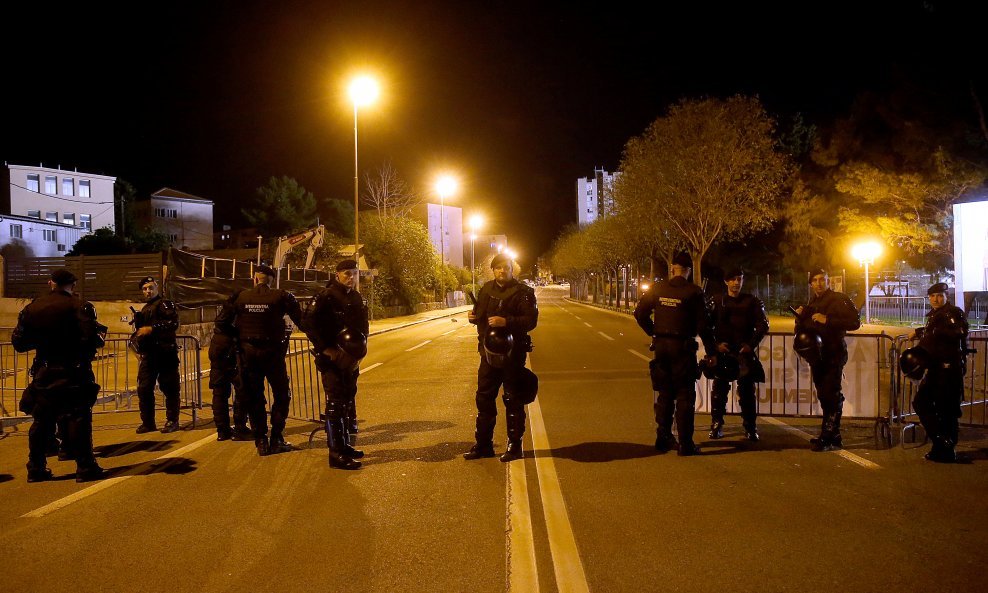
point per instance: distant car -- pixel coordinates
(564, 284)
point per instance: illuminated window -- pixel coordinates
(34, 213)
(16, 231)
(83, 188)
(68, 218)
(49, 235)
(51, 216)
(86, 221)
(33, 183)
(68, 186)
(50, 183)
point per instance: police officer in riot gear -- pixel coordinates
(740, 323)
(155, 327)
(224, 376)
(673, 313)
(829, 315)
(63, 331)
(503, 307)
(259, 316)
(938, 398)
(337, 326)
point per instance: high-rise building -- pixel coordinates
(593, 196)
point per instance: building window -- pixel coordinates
(51, 216)
(16, 231)
(86, 221)
(50, 183)
(165, 213)
(68, 186)
(173, 238)
(83, 188)
(33, 183)
(68, 218)
(34, 213)
(49, 235)
(61, 247)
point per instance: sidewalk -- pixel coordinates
(380, 326)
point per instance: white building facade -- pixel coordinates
(593, 196)
(71, 198)
(186, 220)
(23, 236)
(445, 225)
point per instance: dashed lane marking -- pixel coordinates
(449, 332)
(865, 463)
(417, 346)
(606, 336)
(640, 355)
(587, 324)
(371, 367)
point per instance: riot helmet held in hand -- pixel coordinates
(808, 345)
(728, 368)
(913, 362)
(353, 345)
(498, 344)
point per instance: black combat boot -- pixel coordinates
(664, 441)
(350, 428)
(688, 449)
(37, 471)
(335, 436)
(223, 433)
(278, 444)
(717, 428)
(829, 438)
(514, 451)
(479, 451)
(483, 440)
(262, 446)
(89, 471)
(751, 433)
(942, 451)
(242, 433)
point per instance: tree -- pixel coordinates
(707, 171)
(404, 256)
(281, 207)
(337, 217)
(388, 193)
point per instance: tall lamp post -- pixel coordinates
(445, 186)
(866, 253)
(363, 91)
(475, 223)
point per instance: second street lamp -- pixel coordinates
(475, 223)
(445, 186)
(363, 91)
(866, 253)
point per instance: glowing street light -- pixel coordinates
(476, 221)
(363, 91)
(446, 185)
(866, 253)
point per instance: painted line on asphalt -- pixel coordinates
(417, 346)
(566, 563)
(577, 316)
(371, 367)
(587, 324)
(108, 482)
(606, 336)
(640, 355)
(449, 332)
(865, 463)
(522, 569)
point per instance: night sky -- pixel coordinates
(518, 98)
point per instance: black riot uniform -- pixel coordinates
(260, 320)
(738, 322)
(224, 376)
(515, 302)
(159, 361)
(938, 399)
(338, 309)
(673, 312)
(828, 370)
(63, 331)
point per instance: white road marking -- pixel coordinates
(371, 367)
(587, 324)
(108, 482)
(842, 452)
(566, 563)
(606, 336)
(640, 355)
(449, 332)
(577, 316)
(417, 346)
(522, 569)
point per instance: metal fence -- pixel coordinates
(974, 408)
(115, 368)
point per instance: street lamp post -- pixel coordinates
(363, 91)
(446, 185)
(475, 223)
(866, 253)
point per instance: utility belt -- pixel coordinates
(687, 342)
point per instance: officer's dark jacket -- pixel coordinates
(738, 320)
(674, 308)
(161, 316)
(334, 309)
(61, 327)
(260, 314)
(515, 302)
(945, 334)
(842, 317)
(223, 324)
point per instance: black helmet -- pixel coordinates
(728, 368)
(498, 344)
(808, 345)
(913, 362)
(353, 343)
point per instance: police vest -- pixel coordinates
(261, 314)
(675, 311)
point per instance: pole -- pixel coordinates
(473, 267)
(356, 206)
(442, 249)
(867, 300)
(258, 250)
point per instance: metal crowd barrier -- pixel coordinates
(788, 389)
(974, 408)
(115, 367)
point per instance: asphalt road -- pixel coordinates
(593, 507)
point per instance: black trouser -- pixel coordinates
(674, 374)
(158, 366)
(258, 362)
(938, 401)
(827, 376)
(746, 397)
(341, 393)
(224, 379)
(489, 382)
(71, 407)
